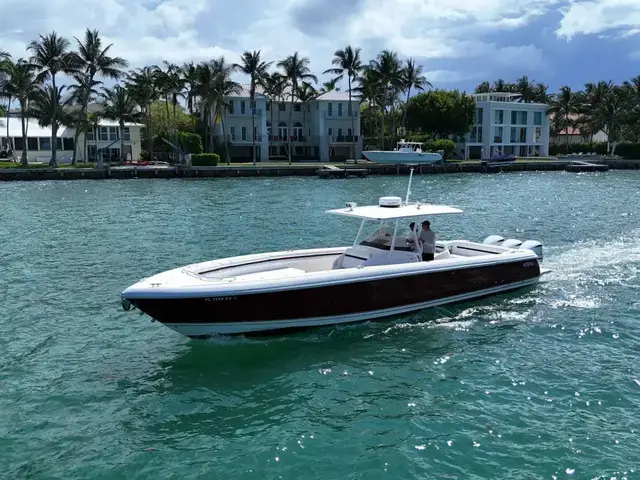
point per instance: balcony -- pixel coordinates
(238, 139)
(292, 138)
(334, 115)
(344, 139)
(246, 114)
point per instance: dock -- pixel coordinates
(581, 166)
(331, 171)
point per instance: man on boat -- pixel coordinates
(428, 241)
(414, 240)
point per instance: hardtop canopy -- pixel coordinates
(377, 212)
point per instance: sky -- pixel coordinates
(459, 43)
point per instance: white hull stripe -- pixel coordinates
(207, 329)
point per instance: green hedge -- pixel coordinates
(205, 159)
(625, 150)
(190, 142)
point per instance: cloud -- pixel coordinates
(595, 17)
(149, 31)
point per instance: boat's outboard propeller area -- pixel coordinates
(533, 245)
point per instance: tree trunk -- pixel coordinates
(382, 109)
(9, 145)
(272, 127)
(80, 127)
(404, 115)
(54, 120)
(175, 130)
(353, 124)
(253, 125)
(226, 143)
(293, 89)
(122, 155)
(304, 129)
(149, 132)
(24, 162)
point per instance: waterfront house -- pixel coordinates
(502, 124)
(102, 139)
(574, 135)
(320, 129)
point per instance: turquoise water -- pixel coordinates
(540, 384)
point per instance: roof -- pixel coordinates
(337, 96)
(376, 212)
(35, 130)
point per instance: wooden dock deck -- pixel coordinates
(331, 171)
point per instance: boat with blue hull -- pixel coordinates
(405, 153)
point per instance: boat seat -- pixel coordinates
(442, 255)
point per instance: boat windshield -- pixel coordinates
(382, 236)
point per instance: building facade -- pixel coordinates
(103, 139)
(320, 129)
(502, 125)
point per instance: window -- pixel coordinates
(126, 134)
(230, 106)
(512, 136)
(296, 107)
(32, 143)
(59, 143)
(243, 107)
(268, 106)
(282, 130)
(91, 135)
(269, 128)
(232, 132)
(537, 134)
(18, 143)
(499, 117)
(45, 143)
(243, 133)
(113, 133)
(330, 131)
(330, 109)
(349, 132)
(473, 135)
(537, 118)
(523, 135)
(514, 117)
(480, 134)
(339, 109)
(497, 134)
(67, 143)
(523, 118)
(339, 132)
(477, 116)
(281, 107)
(297, 131)
(104, 134)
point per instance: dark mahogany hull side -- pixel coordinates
(336, 300)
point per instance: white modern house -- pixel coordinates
(319, 129)
(502, 124)
(103, 139)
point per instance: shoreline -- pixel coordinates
(296, 170)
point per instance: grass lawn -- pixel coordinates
(6, 164)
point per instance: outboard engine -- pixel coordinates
(533, 245)
(511, 243)
(493, 240)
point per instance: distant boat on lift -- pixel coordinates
(406, 153)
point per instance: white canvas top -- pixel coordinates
(376, 212)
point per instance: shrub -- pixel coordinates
(190, 142)
(625, 150)
(205, 159)
(446, 145)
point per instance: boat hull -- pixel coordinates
(332, 304)
(400, 158)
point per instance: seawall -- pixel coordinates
(271, 170)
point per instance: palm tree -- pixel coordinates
(387, 72)
(330, 86)
(22, 84)
(564, 107)
(93, 60)
(540, 93)
(84, 89)
(613, 113)
(347, 61)
(252, 65)
(594, 95)
(190, 79)
(295, 70)
(142, 87)
(273, 86)
(47, 108)
(526, 89)
(214, 86)
(119, 106)
(50, 54)
(5, 62)
(500, 86)
(484, 87)
(412, 78)
(171, 84)
(306, 93)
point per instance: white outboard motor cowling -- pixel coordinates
(511, 243)
(533, 245)
(493, 240)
